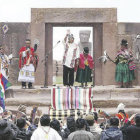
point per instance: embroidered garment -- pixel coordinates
(45, 133)
(28, 61)
(26, 74)
(71, 53)
(86, 61)
(4, 63)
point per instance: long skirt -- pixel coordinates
(84, 75)
(123, 74)
(26, 74)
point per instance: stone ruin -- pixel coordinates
(84, 41)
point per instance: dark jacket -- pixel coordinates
(112, 133)
(23, 134)
(133, 133)
(7, 130)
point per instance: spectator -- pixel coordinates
(113, 132)
(81, 134)
(90, 120)
(44, 131)
(123, 117)
(23, 134)
(71, 127)
(133, 131)
(55, 124)
(6, 131)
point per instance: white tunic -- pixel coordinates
(40, 134)
(27, 72)
(70, 56)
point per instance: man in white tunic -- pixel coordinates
(70, 58)
(45, 132)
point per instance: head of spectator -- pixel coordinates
(3, 124)
(80, 123)
(114, 121)
(90, 119)
(5, 131)
(55, 124)
(137, 120)
(71, 124)
(21, 122)
(45, 120)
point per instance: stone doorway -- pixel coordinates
(104, 22)
(83, 38)
(97, 36)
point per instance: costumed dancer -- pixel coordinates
(4, 63)
(70, 58)
(124, 66)
(4, 71)
(86, 64)
(28, 61)
(122, 115)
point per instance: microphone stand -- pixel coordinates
(46, 62)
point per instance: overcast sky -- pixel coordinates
(19, 10)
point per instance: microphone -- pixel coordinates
(58, 42)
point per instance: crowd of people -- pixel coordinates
(87, 127)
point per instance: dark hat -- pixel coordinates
(124, 42)
(86, 50)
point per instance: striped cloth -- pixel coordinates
(71, 98)
(63, 114)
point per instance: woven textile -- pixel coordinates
(63, 114)
(71, 98)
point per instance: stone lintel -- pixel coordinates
(73, 15)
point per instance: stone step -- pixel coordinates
(45, 109)
(103, 96)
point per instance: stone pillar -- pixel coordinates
(97, 52)
(49, 49)
(109, 44)
(14, 69)
(38, 32)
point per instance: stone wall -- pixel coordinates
(12, 41)
(107, 36)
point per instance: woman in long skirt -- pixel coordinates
(124, 66)
(85, 67)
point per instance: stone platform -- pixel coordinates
(104, 97)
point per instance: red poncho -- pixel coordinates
(82, 60)
(23, 60)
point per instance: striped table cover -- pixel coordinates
(63, 114)
(71, 98)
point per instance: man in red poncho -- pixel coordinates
(28, 61)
